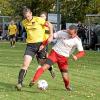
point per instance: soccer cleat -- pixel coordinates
(69, 88)
(13, 46)
(31, 84)
(18, 87)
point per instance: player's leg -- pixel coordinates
(66, 80)
(38, 73)
(41, 58)
(23, 71)
(63, 66)
(27, 60)
(49, 62)
(14, 40)
(51, 70)
(10, 39)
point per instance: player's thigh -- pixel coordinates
(63, 64)
(10, 37)
(51, 59)
(30, 50)
(52, 56)
(46, 66)
(27, 61)
(29, 53)
(14, 38)
(42, 54)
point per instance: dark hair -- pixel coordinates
(45, 13)
(26, 9)
(73, 27)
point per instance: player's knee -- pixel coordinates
(25, 67)
(25, 64)
(41, 61)
(46, 66)
(64, 70)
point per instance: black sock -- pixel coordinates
(50, 69)
(22, 74)
(11, 43)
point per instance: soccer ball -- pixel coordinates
(42, 84)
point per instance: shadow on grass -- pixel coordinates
(30, 91)
(5, 87)
(8, 87)
(56, 89)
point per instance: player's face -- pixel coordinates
(72, 33)
(28, 15)
(43, 16)
(12, 22)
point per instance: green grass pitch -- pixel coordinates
(84, 75)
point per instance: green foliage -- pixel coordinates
(42, 5)
(71, 10)
(5, 8)
(94, 7)
(74, 10)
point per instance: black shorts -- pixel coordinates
(12, 36)
(42, 54)
(49, 62)
(33, 49)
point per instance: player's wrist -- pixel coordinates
(45, 42)
(75, 57)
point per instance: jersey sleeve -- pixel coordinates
(81, 52)
(79, 45)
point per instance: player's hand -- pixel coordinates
(41, 47)
(74, 57)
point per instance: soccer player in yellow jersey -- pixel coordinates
(12, 30)
(41, 57)
(35, 36)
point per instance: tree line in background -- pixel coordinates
(71, 10)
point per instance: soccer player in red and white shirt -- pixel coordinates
(67, 42)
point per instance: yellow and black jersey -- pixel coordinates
(12, 29)
(34, 29)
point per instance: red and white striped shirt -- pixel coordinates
(66, 45)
